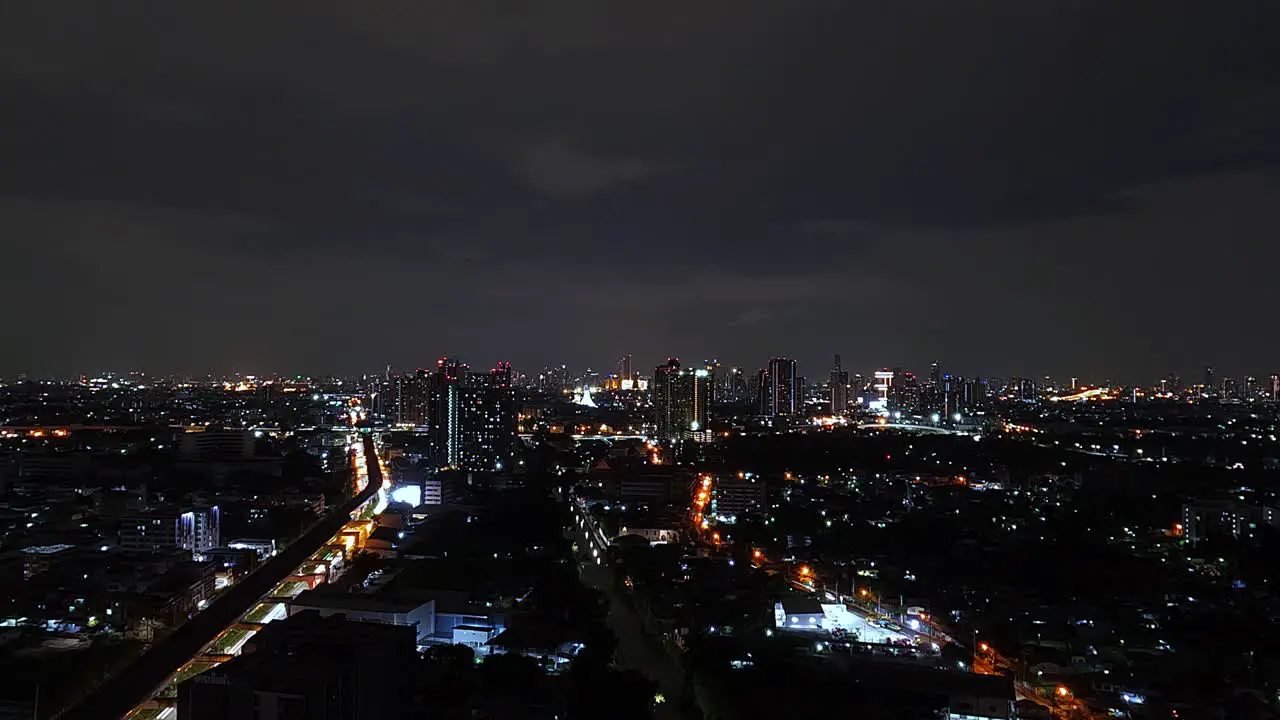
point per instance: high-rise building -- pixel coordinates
(934, 394)
(907, 394)
(783, 387)
(472, 416)
(1209, 388)
(977, 393)
(839, 388)
(681, 400)
(760, 391)
(411, 398)
(1275, 387)
(737, 382)
(716, 372)
(883, 388)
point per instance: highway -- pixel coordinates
(129, 689)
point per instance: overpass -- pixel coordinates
(139, 681)
(529, 436)
(913, 427)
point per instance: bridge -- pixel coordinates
(529, 436)
(913, 427)
(217, 634)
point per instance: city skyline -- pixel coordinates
(816, 373)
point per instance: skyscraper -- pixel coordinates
(472, 416)
(783, 388)
(681, 400)
(1209, 388)
(411, 398)
(624, 371)
(933, 395)
(839, 388)
(760, 391)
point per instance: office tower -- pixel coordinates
(681, 400)
(783, 387)
(1275, 387)
(839, 388)
(624, 367)
(1230, 390)
(1209, 388)
(472, 416)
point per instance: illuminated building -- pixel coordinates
(411, 398)
(734, 496)
(783, 396)
(1024, 389)
(717, 373)
(196, 530)
(471, 416)
(681, 401)
(1227, 518)
(839, 388)
(907, 394)
(935, 392)
(626, 381)
(883, 386)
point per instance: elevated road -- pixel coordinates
(147, 675)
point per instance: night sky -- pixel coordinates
(1011, 187)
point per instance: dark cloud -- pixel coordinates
(1013, 187)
